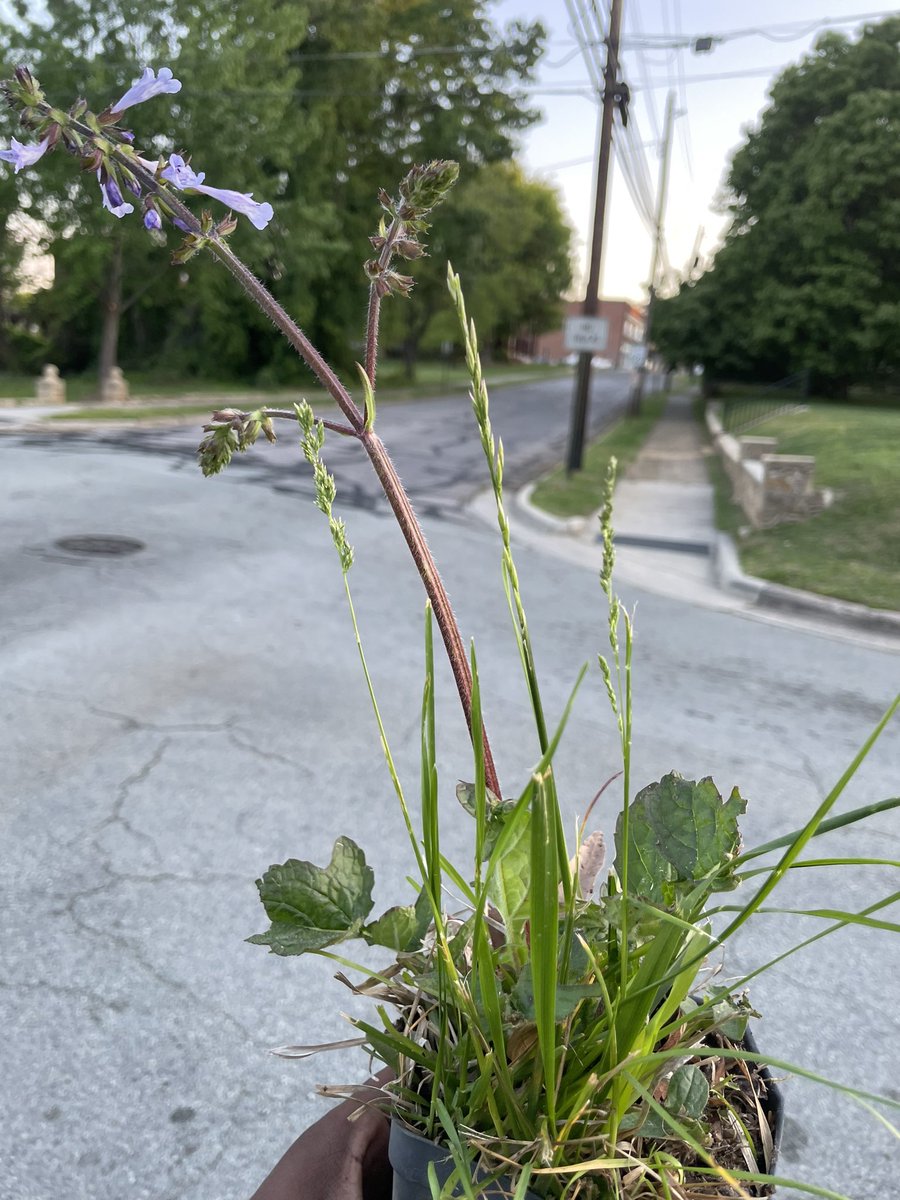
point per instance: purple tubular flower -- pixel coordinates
(113, 194)
(152, 220)
(258, 214)
(24, 156)
(180, 175)
(112, 198)
(149, 85)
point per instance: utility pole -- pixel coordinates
(591, 300)
(637, 395)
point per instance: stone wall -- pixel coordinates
(771, 488)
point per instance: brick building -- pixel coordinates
(626, 333)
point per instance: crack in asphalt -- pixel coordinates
(129, 946)
(96, 1000)
(118, 817)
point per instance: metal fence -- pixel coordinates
(740, 413)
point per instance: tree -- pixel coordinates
(94, 48)
(313, 106)
(394, 82)
(809, 275)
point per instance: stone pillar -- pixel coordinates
(789, 494)
(50, 388)
(114, 389)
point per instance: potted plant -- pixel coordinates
(553, 1032)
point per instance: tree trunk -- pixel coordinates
(112, 312)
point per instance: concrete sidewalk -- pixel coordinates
(664, 499)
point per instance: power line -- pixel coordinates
(747, 73)
(684, 128)
(643, 68)
(793, 31)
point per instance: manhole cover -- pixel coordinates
(98, 545)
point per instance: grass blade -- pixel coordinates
(545, 932)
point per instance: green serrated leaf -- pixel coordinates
(655, 1127)
(401, 928)
(680, 831)
(732, 1016)
(312, 907)
(688, 1093)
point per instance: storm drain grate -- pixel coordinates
(99, 545)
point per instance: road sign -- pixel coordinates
(589, 334)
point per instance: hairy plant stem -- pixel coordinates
(374, 314)
(384, 469)
(291, 331)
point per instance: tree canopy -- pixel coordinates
(313, 106)
(808, 277)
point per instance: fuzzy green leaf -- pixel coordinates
(679, 831)
(688, 1092)
(312, 907)
(654, 1126)
(401, 928)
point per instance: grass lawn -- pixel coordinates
(852, 550)
(187, 400)
(581, 493)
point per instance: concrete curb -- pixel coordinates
(730, 577)
(566, 526)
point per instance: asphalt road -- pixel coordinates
(177, 719)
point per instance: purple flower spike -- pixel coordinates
(111, 195)
(149, 85)
(24, 156)
(152, 220)
(182, 176)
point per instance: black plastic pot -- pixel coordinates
(410, 1153)
(772, 1103)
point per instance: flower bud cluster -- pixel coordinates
(420, 191)
(228, 432)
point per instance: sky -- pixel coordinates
(712, 115)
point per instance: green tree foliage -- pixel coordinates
(313, 106)
(94, 48)
(809, 275)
